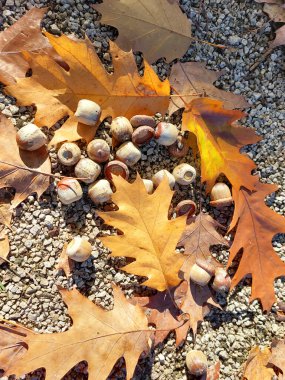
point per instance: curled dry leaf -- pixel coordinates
(5, 213)
(256, 225)
(256, 366)
(220, 141)
(65, 263)
(24, 35)
(191, 80)
(4, 247)
(23, 181)
(157, 28)
(277, 357)
(148, 236)
(100, 337)
(56, 92)
(280, 38)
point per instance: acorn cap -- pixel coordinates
(179, 148)
(186, 207)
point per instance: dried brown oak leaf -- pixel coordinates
(219, 142)
(198, 237)
(4, 247)
(277, 357)
(256, 225)
(191, 80)
(148, 236)
(280, 38)
(98, 336)
(275, 9)
(157, 28)
(256, 365)
(23, 181)
(56, 92)
(24, 35)
(5, 213)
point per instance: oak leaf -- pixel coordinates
(191, 80)
(56, 92)
(98, 336)
(148, 236)
(219, 142)
(5, 213)
(277, 357)
(24, 35)
(256, 225)
(199, 235)
(280, 38)
(256, 365)
(23, 181)
(156, 28)
(4, 247)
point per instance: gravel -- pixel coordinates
(41, 226)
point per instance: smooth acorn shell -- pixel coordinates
(180, 148)
(222, 281)
(196, 362)
(199, 275)
(30, 137)
(158, 177)
(221, 195)
(139, 120)
(79, 249)
(69, 154)
(186, 207)
(166, 133)
(88, 112)
(128, 153)
(184, 174)
(148, 185)
(87, 168)
(100, 191)
(69, 190)
(121, 129)
(117, 168)
(98, 150)
(142, 135)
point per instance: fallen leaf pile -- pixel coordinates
(264, 363)
(65, 70)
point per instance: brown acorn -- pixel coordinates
(139, 120)
(142, 135)
(196, 362)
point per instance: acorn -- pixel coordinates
(158, 177)
(128, 153)
(88, 112)
(222, 281)
(30, 137)
(142, 135)
(166, 133)
(196, 362)
(148, 185)
(180, 148)
(117, 168)
(139, 120)
(186, 207)
(79, 249)
(69, 154)
(69, 190)
(88, 169)
(100, 191)
(121, 129)
(201, 273)
(184, 174)
(98, 150)
(221, 195)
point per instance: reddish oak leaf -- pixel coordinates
(256, 225)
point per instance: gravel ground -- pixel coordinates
(40, 227)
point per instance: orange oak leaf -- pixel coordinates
(24, 35)
(277, 357)
(198, 237)
(219, 142)
(256, 225)
(98, 336)
(256, 366)
(148, 236)
(156, 28)
(191, 80)
(23, 181)
(56, 92)
(4, 247)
